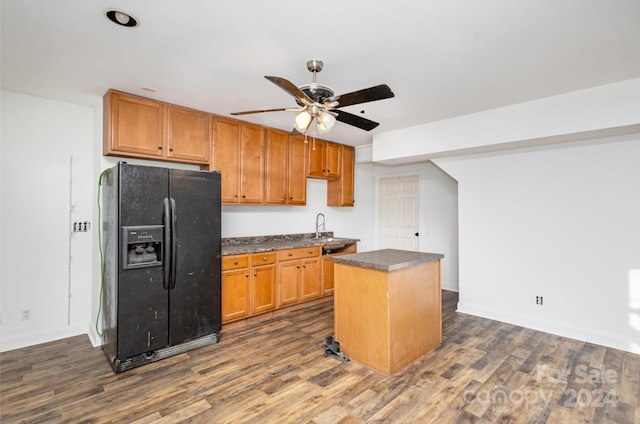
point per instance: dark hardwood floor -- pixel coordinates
(274, 371)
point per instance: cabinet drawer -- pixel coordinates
(302, 252)
(263, 258)
(235, 262)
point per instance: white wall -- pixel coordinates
(356, 222)
(46, 180)
(438, 213)
(562, 222)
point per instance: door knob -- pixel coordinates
(416, 234)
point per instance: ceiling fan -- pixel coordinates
(318, 102)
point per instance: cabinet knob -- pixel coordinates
(159, 147)
(298, 267)
(235, 262)
(171, 149)
(244, 197)
(255, 274)
(311, 252)
(290, 254)
(246, 275)
(264, 259)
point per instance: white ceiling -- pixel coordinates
(441, 58)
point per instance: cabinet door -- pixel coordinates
(251, 164)
(297, 171)
(263, 288)
(135, 125)
(187, 134)
(333, 162)
(288, 282)
(309, 278)
(327, 275)
(340, 192)
(235, 294)
(226, 157)
(276, 167)
(317, 150)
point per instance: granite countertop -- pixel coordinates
(242, 245)
(387, 259)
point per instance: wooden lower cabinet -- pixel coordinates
(310, 279)
(327, 275)
(256, 283)
(327, 268)
(299, 280)
(263, 282)
(298, 275)
(248, 285)
(288, 282)
(235, 287)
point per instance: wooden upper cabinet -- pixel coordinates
(277, 160)
(138, 127)
(333, 160)
(133, 126)
(297, 171)
(324, 159)
(317, 150)
(285, 169)
(187, 134)
(251, 163)
(340, 192)
(226, 157)
(238, 155)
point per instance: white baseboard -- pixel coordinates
(42, 336)
(615, 341)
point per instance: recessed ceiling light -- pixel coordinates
(121, 17)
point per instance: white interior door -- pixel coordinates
(399, 213)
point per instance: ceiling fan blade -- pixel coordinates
(292, 89)
(247, 112)
(370, 94)
(355, 120)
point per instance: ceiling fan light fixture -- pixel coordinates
(325, 122)
(303, 119)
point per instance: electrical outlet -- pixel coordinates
(25, 314)
(81, 227)
(539, 300)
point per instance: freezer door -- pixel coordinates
(194, 298)
(142, 299)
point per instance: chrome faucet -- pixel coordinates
(324, 227)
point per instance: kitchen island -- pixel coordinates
(388, 309)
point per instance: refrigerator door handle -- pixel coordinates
(174, 243)
(167, 244)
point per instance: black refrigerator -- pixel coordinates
(161, 262)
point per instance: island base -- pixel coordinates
(386, 320)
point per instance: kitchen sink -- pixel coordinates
(332, 245)
(330, 240)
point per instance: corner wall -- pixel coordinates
(562, 222)
(46, 182)
(438, 213)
